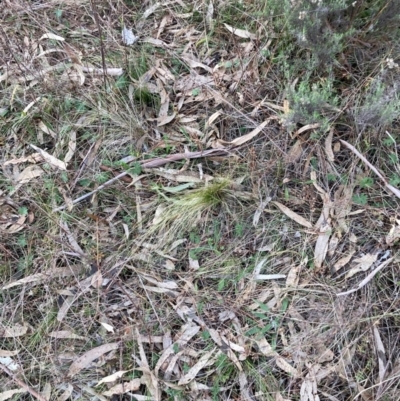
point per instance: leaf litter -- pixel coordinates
(251, 286)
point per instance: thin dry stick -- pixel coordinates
(152, 163)
(392, 189)
(22, 384)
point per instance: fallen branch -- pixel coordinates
(391, 188)
(151, 163)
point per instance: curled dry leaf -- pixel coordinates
(88, 357)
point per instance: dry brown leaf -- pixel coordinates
(88, 357)
(293, 215)
(295, 152)
(13, 331)
(53, 161)
(123, 388)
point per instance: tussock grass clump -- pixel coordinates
(181, 214)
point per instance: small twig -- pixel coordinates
(81, 198)
(367, 279)
(22, 384)
(391, 188)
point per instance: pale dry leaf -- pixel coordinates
(52, 36)
(96, 279)
(108, 327)
(9, 363)
(71, 147)
(241, 33)
(16, 225)
(128, 37)
(33, 158)
(5, 395)
(193, 264)
(366, 261)
(164, 120)
(394, 234)
(13, 331)
(244, 387)
(88, 357)
(152, 9)
(46, 129)
(46, 392)
(293, 276)
(4, 353)
(245, 138)
(295, 152)
(53, 161)
(343, 261)
(293, 215)
(123, 388)
(209, 15)
(260, 210)
(66, 334)
(307, 127)
(188, 331)
(112, 72)
(28, 174)
(309, 389)
(112, 378)
(328, 146)
(68, 389)
(382, 363)
(269, 276)
(286, 366)
(188, 83)
(321, 246)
